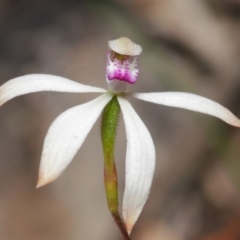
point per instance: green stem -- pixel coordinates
(108, 132)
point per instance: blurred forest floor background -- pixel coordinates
(188, 45)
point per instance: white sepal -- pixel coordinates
(66, 135)
(41, 82)
(191, 102)
(125, 46)
(140, 164)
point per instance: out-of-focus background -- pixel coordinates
(188, 45)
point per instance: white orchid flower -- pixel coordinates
(69, 130)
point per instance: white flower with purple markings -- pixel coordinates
(67, 133)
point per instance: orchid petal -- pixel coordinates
(41, 82)
(66, 135)
(191, 102)
(140, 164)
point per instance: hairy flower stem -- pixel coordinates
(108, 133)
